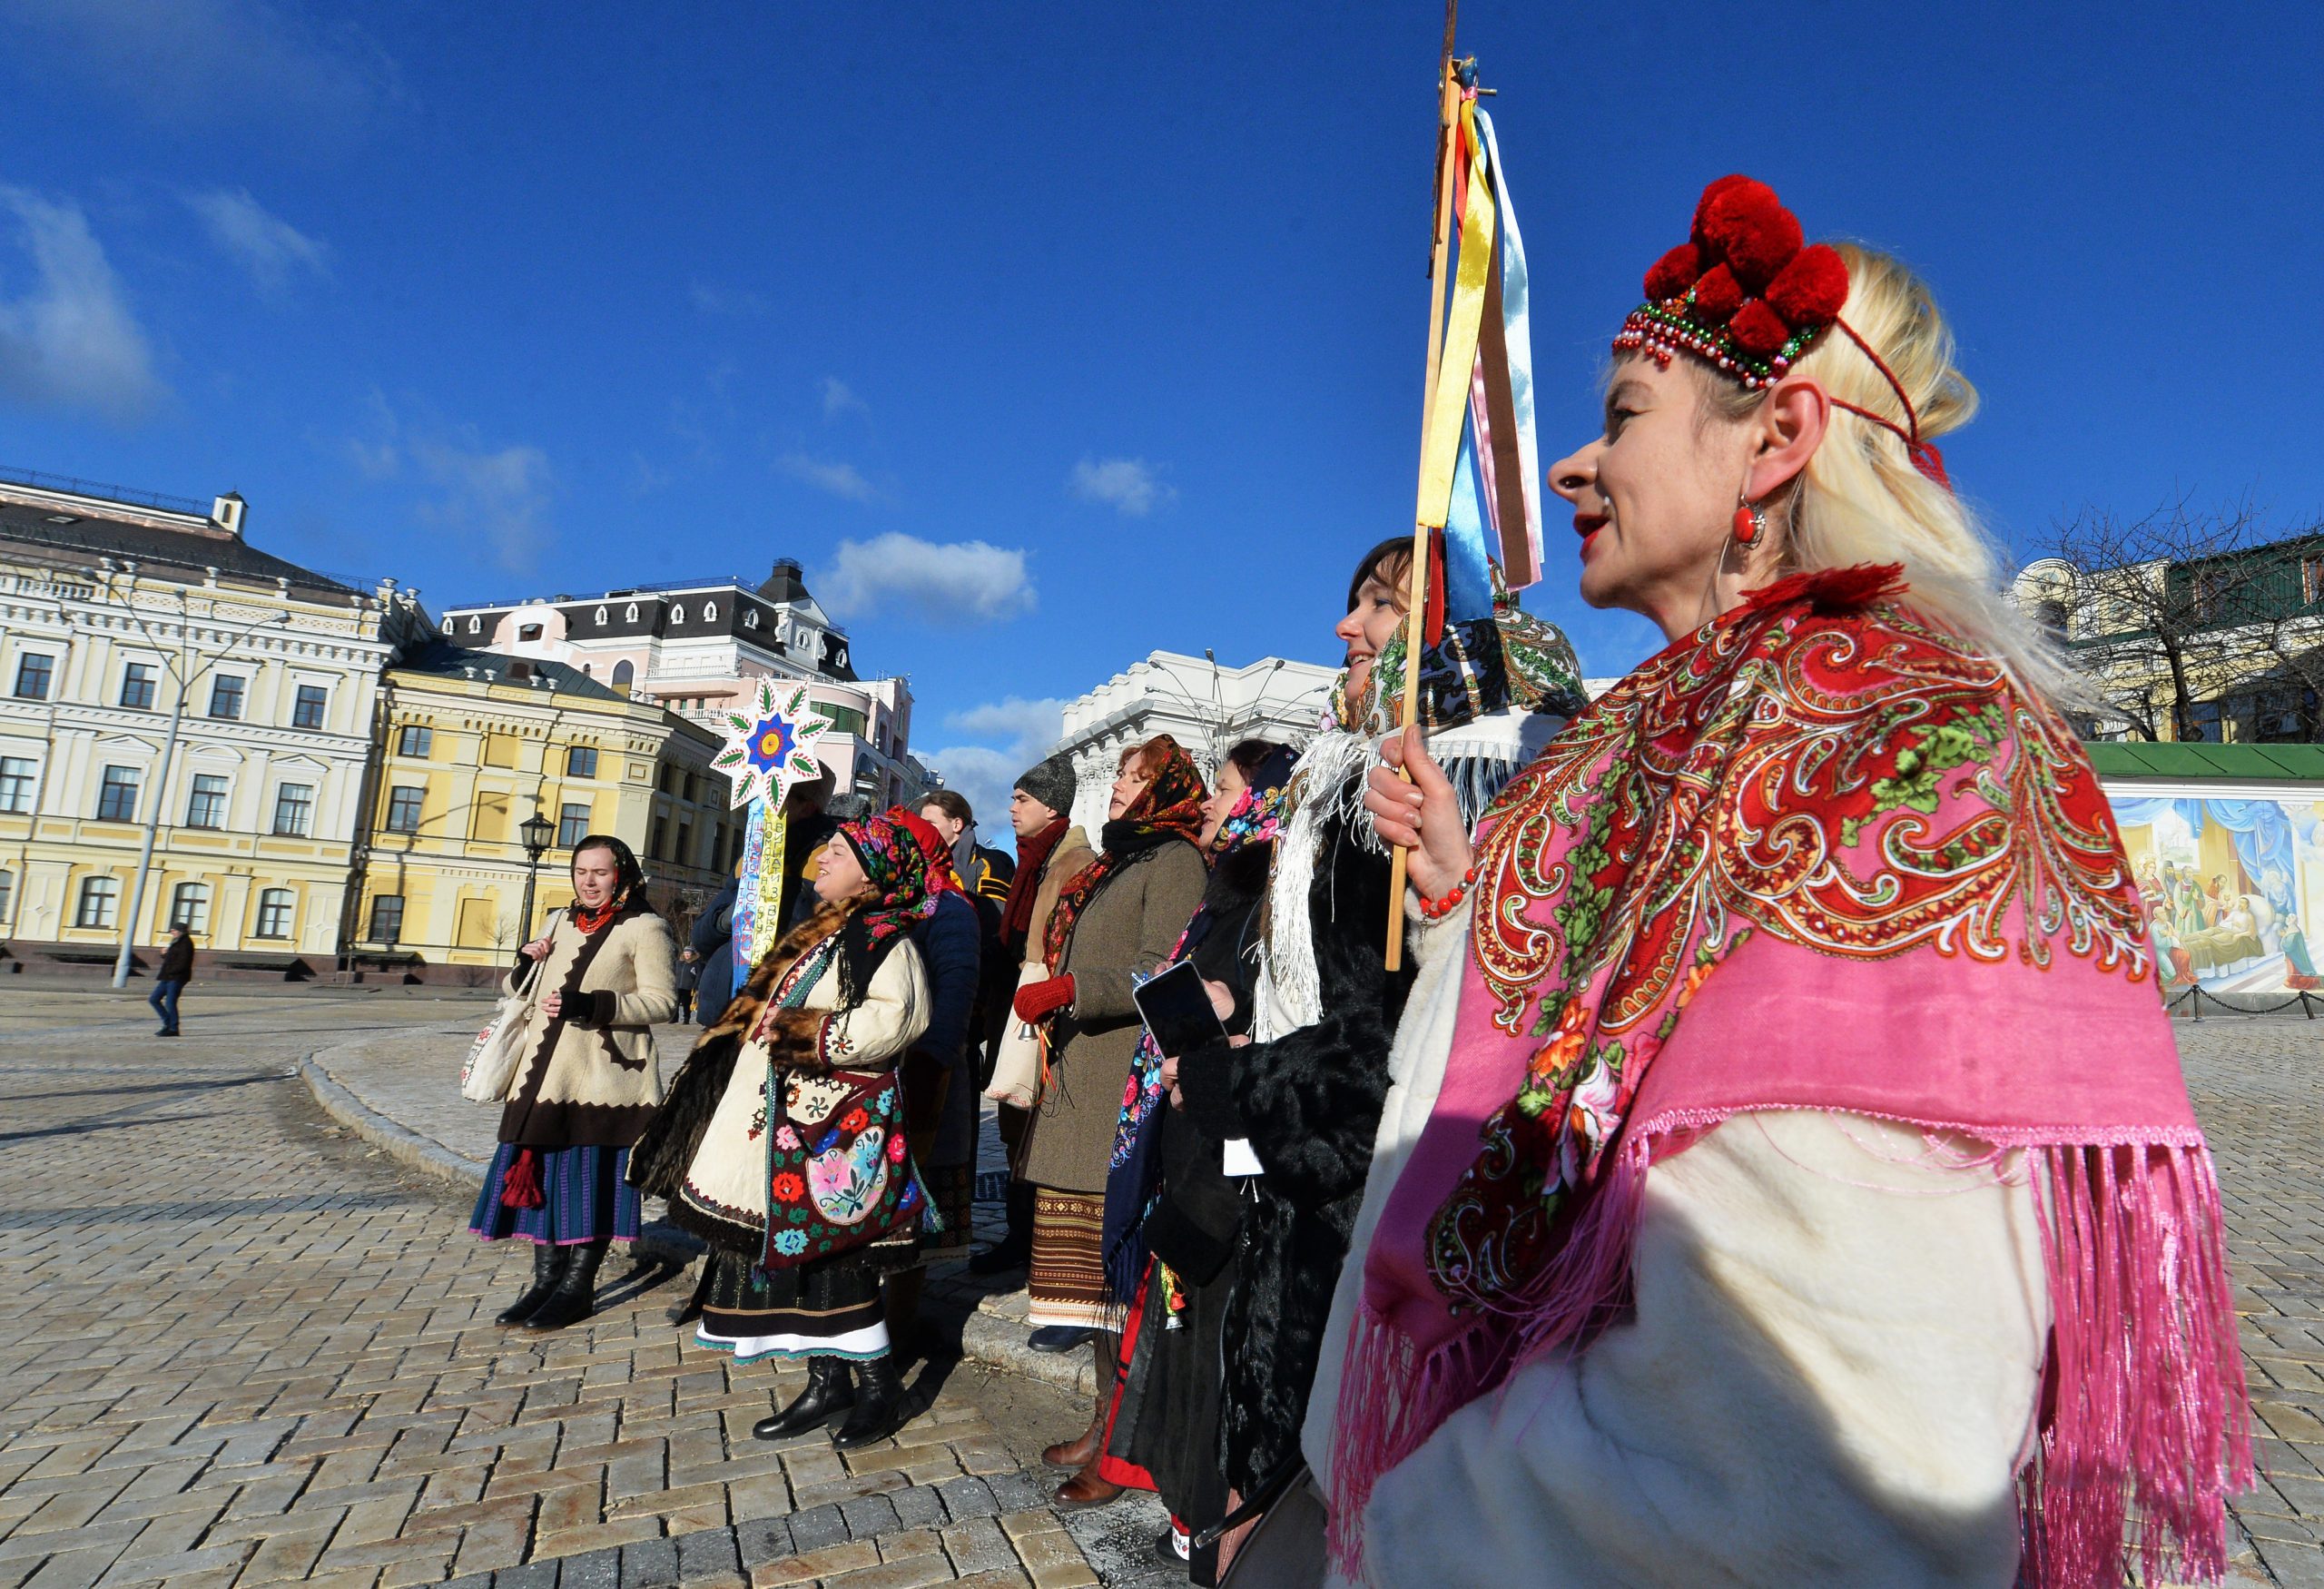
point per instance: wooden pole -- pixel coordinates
(1448, 100)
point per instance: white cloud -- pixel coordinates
(1031, 727)
(959, 582)
(839, 397)
(985, 779)
(500, 493)
(729, 300)
(212, 61)
(269, 247)
(1127, 485)
(70, 340)
(839, 480)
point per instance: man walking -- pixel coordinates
(170, 980)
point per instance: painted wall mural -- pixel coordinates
(2229, 887)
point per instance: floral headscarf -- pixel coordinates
(943, 876)
(1170, 807)
(897, 870)
(1476, 669)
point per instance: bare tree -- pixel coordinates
(2167, 612)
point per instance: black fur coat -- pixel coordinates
(1310, 1104)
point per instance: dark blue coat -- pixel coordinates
(948, 946)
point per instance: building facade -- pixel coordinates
(476, 743)
(1206, 707)
(695, 646)
(160, 675)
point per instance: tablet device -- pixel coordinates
(1177, 1012)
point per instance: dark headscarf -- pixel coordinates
(628, 897)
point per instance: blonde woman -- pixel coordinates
(1787, 1176)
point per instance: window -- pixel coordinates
(7, 893)
(137, 685)
(476, 626)
(679, 613)
(100, 897)
(529, 631)
(2311, 580)
(294, 810)
(190, 906)
(622, 673)
(33, 672)
(415, 739)
(276, 906)
(206, 807)
(601, 616)
(117, 796)
(403, 808)
(683, 854)
(653, 839)
(387, 918)
(15, 783)
(309, 711)
(226, 696)
(572, 824)
(709, 613)
(751, 619)
(629, 613)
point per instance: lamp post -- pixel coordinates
(537, 830)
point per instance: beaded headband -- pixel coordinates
(1745, 297)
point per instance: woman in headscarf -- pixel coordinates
(1171, 1210)
(782, 1143)
(1304, 1096)
(588, 1084)
(1792, 1180)
(1115, 921)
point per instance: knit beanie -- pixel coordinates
(1053, 783)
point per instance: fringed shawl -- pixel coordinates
(1899, 880)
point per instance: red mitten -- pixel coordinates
(1039, 1001)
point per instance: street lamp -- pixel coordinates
(537, 831)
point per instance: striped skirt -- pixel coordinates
(585, 1197)
(1066, 1283)
(952, 1194)
(831, 1308)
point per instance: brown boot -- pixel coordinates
(1083, 1452)
(1086, 1488)
(1080, 1451)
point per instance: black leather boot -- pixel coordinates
(880, 1410)
(548, 1267)
(825, 1398)
(576, 1289)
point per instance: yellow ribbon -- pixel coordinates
(1449, 410)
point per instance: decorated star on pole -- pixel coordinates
(768, 746)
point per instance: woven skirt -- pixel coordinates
(952, 1194)
(826, 1309)
(1066, 1283)
(585, 1197)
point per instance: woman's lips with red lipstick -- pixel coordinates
(1586, 525)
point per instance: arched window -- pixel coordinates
(624, 674)
(751, 619)
(601, 615)
(276, 907)
(629, 613)
(679, 613)
(709, 613)
(190, 907)
(474, 624)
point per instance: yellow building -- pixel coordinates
(165, 684)
(475, 744)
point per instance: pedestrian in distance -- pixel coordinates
(1115, 921)
(689, 977)
(782, 1143)
(170, 977)
(1050, 850)
(588, 1084)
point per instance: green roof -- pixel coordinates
(2242, 764)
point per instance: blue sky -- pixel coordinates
(1048, 335)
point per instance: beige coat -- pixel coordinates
(589, 1077)
(1073, 852)
(1130, 926)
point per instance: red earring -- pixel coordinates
(1747, 525)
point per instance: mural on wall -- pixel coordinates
(2229, 887)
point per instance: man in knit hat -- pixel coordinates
(1049, 850)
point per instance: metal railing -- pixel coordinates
(2191, 1003)
(42, 480)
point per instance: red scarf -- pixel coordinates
(1170, 807)
(942, 877)
(1033, 856)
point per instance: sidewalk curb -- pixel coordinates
(987, 1338)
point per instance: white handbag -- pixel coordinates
(493, 1057)
(1016, 1063)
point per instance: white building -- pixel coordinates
(694, 646)
(159, 673)
(1203, 706)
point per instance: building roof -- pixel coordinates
(150, 537)
(2240, 763)
(446, 660)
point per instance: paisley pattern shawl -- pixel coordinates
(1820, 775)
(1170, 807)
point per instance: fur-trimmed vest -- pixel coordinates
(704, 1150)
(590, 1076)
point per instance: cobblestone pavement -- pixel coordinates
(237, 1346)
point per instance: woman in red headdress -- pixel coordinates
(1788, 1177)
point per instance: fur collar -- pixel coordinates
(741, 1016)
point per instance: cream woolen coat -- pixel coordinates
(589, 1076)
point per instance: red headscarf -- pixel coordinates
(942, 877)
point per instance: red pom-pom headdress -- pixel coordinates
(1747, 295)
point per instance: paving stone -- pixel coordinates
(868, 1517)
(816, 1527)
(708, 1553)
(650, 1563)
(596, 1569)
(531, 1576)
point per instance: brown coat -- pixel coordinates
(1131, 925)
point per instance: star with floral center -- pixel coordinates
(768, 747)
